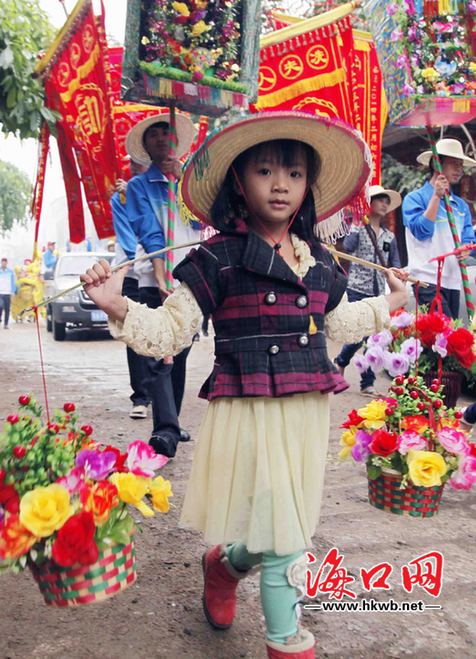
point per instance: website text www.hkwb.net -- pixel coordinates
(372, 605)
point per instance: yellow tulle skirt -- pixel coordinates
(258, 472)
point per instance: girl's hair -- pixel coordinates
(230, 205)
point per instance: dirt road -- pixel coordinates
(160, 616)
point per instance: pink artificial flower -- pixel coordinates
(454, 441)
(142, 460)
(397, 35)
(409, 440)
(465, 476)
(382, 339)
(403, 319)
(411, 348)
(392, 8)
(74, 480)
(360, 362)
(407, 90)
(439, 346)
(396, 363)
(440, 27)
(374, 356)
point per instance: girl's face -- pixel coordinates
(274, 191)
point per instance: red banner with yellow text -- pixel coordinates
(306, 72)
(330, 70)
(77, 86)
(368, 97)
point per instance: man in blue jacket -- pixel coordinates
(427, 230)
(8, 287)
(125, 250)
(147, 196)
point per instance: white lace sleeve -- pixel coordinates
(160, 332)
(349, 322)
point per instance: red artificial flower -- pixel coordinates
(24, 399)
(460, 344)
(13, 419)
(69, 407)
(383, 443)
(418, 423)
(9, 498)
(120, 464)
(353, 419)
(429, 325)
(19, 451)
(75, 541)
(99, 498)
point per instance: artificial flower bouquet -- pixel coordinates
(412, 439)
(201, 56)
(426, 51)
(64, 498)
(424, 339)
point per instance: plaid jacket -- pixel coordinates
(261, 314)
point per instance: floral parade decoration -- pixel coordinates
(412, 445)
(65, 504)
(431, 343)
(427, 54)
(201, 56)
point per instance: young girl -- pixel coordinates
(273, 292)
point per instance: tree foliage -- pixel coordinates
(15, 194)
(24, 31)
(402, 178)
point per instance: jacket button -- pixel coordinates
(303, 340)
(270, 298)
(273, 350)
(301, 301)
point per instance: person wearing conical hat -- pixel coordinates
(271, 184)
(377, 244)
(148, 143)
(427, 230)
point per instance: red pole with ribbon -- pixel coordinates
(172, 201)
(453, 227)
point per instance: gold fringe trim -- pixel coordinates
(301, 87)
(81, 5)
(307, 25)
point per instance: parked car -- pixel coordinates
(74, 309)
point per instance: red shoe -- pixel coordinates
(219, 592)
(300, 646)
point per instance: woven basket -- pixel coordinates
(114, 571)
(385, 494)
(452, 381)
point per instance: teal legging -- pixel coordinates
(278, 597)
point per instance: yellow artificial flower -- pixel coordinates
(44, 510)
(472, 67)
(132, 489)
(347, 440)
(430, 74)
(161, 490)
(425, 468)
(373, 414)
(201, 4)
(199, 28)
(181, 8)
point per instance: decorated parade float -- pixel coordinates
(65, 504)
(200, 56)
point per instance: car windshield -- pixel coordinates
(76, 265)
